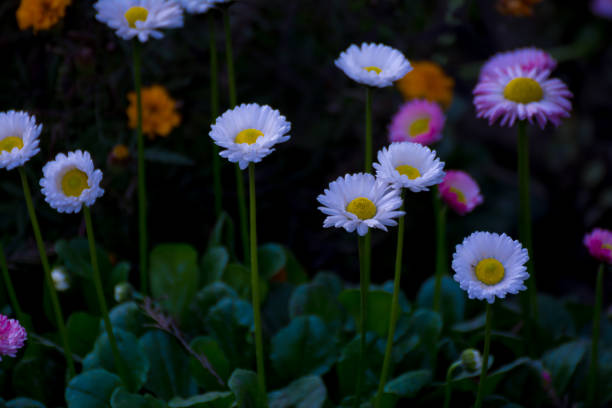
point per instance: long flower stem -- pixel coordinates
(47, 270)
(119, 364)
(394, 309)
(9, 286)
(448, 388)
(214, 112)
(593, 394)
(485, 359)
(231, 79)
(142, 192)
(368, 130)
(261, 376)
(441, 268)
(364, 283)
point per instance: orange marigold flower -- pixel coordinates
(159, 115)
(428, 81)
(516, 8)
(40, 14)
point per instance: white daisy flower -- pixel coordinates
(248, 133)
(70, 181)
(200, 6)
(360, 201)
(373, 64)
(409, 165)
(142, 18)
(18, 138)
(487, 265)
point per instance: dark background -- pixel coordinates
(75, 78)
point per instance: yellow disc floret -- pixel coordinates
(74, 182)
(459, 194)
(362, 207)
(135, 14)
(248, 136)
(418, 127)
(407, 170)
(489, 271)
(523, 90)
(373, 69)
(9, 143)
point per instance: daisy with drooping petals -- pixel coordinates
(427, 81)
(409, 165)
(12, 336)
(70, 181)
(18, 138)
(489, 265)
(460, 192)
(602, 8)
(517, 94)
(360, 202)
(599, 244)
(373, 64)
(417, 121)
(249, 132)
(141, 18)
(526, 58)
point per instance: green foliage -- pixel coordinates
(209, 348)
(453, 299)
(214, 261)
(214, 399)
(245, 387)
(377, 313)
(305, 392)
(83, 330)
(92, 389)
(123, 399)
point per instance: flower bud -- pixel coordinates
(60, 278)
(123, 292)
(471, 360)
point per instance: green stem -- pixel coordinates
(593, 392)
(119, 364)
(364, 282)
(261, 376)
(47, 270)
(394, 309)
(142, 193)
(214, 112)
(441, 268)
(485, 359)
(448, 388)
(368, 130)
(242, 211)
(9, 287)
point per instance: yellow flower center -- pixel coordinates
(9, 143)
(418, 127)
(362, 207)
(523, 90)
(407, 170)
(607, 246)
(74, 182)
(135, 14)
(459, 194)
(373, 68)
(490, 271)
(248, 136)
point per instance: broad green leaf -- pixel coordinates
(452, 299)
(562, 362)
(246, 389)
(208, 297)
(275, 311)
(208, 347)
(315, 299)
(304, 347)
(239, 277)
(169, 374)
(295, 271)
(129, 317)
(214, 262)
(409, 384)
(427, 325)
(330, 280)
(378, 312)
(214, 399)
(83, 330)
(133, 357)
(271, 259)
(24, 403)
(348, 364)
(305, 392)
(91, 389)
(174, 276)
(124, 399)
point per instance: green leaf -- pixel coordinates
(331, 281)
(83, 330)
(562, 362)
(208, 297)
(174, 276)
(158, 155)
(245, 386)
(271, 259)
(208, 347)
(214, 399)
(223, 233)
(129, 317)
(409, 384)
(123, 399)
(91, 389)
(305, 392)
(453, 299)
(239, 277)
(275, 311)
(378, 312)
(348, 364)
(133, 357)
(169, 374)
(304, 347)
(24, 403)
(495, 377)
(426, 324)
(214, 262)
(37, 375)
(295, 271)
(315, 299)
(554, 321)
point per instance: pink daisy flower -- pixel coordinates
(602, 8)
(524, 95)
(526, 58)
(12, 336)
(460, 192)
(599, 244)
(417, 121)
